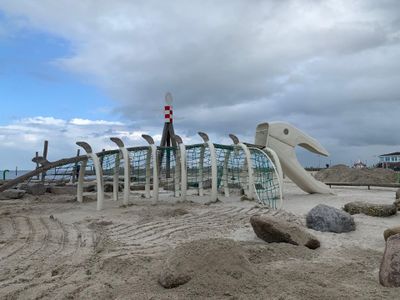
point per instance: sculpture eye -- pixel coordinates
(286, 131)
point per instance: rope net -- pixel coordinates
(198, 166)
(167, 168)
(266, 178)
(110, 163)
(137, 158)
(232, 174)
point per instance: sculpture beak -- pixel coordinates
(289, 135)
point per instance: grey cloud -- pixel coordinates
(329, 67)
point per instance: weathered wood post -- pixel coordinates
(37, 163)
(45, 150)
(75, 171)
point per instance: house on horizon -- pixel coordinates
(390, 160)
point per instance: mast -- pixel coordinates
(168, 136)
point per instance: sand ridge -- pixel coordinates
(342, 173)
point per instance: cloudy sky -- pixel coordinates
(91, 69)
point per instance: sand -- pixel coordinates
(52, 247)
(342, 173)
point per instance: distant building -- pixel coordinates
(359, 165)
(390, 160)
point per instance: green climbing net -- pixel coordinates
(266, 179)
(232, 170)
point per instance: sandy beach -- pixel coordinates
(52, 247)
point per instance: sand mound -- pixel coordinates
(210, 261)
(342, 173)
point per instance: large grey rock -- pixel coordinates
(389, 272)
(12, 194)
(370, 209)
(398, 194)
(273, 230)
(326, 218)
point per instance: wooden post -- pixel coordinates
(75, 172)
(45, 150)
(37, 164)
(102, 158)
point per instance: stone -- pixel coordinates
(35, 189)
(398, 194)
(370, 209)
(170, 280)
(273, 230)
(391, 231)
(329, 219)
(12, 194)
(62, 190)
(389, 271)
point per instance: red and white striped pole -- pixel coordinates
(168, 114)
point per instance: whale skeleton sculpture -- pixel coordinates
(256, 169)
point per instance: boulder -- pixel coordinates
(273, 230)
(170, 280)
(12, 194)
(398, 194)
(370, 209)
(326, 218)
(391, 231)
(62, 190)
(389, 272)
